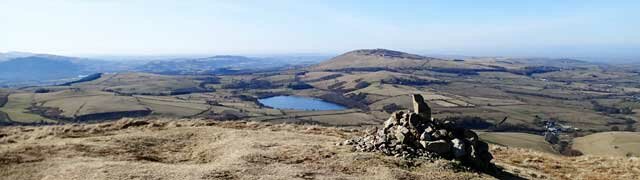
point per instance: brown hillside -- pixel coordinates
(371, 59)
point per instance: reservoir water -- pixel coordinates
(299, 103)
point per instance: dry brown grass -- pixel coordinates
(532, 163)
(199, 149)
(130, 149)
(609, 143)
(520, 140)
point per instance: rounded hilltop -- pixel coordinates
(368, 60)
(386, 53)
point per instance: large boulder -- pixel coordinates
(439, 146)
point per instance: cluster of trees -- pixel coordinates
(610, 109)
(530, 70)
(42, 90)
(4, 97)
(362, 84)
(508, 127)
(250, 84)
(4, 117)
(190, 90)
(564, 148)
(470, 122)
(208, 80)
(14, 123)
(412, 81)
(390, 108)
(226, 115)
(299, 85)
(628, 126)
(458, 71)
(84, 79)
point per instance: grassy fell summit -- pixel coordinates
(203, 149)
(383, 59)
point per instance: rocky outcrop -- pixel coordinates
(417, 135)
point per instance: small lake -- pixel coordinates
(299, 103)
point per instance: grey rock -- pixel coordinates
(458, 148)
(398, 115)
(448, 124)
(368, 139)
(443, 133)
(440, 134)
(401, 134)
(429, 130)
(402, 129)
(439, 146)
(393, 120)
(425, 136)
(382, 133)
(470, 136)
(404, 121)
(436, 135)
(420, 107)
(348, 142)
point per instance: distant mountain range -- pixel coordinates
(224, 64)
(13, 55)
(37, 68)
(200, 65)
(20, 68)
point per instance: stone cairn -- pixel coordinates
(416, 135)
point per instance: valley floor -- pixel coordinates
(199, 149)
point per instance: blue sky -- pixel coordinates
(577, 28)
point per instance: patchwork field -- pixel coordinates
(143, 83)
(358, 80)
(17, 109)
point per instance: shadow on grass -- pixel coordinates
(500, 173)
(507, 175)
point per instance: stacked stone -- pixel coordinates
(416, 134)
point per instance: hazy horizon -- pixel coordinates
(493, 28)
